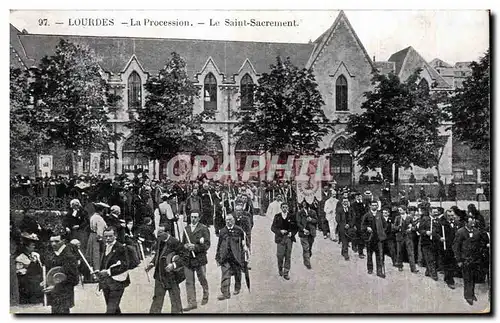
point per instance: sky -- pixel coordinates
(433, 33)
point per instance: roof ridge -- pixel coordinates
(163, 38)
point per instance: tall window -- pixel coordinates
(341, 94)
(134, 91)
(423, 86)
(210, 92)
(246, 92)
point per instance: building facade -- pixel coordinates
(224, 72)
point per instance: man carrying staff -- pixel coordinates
(61, 296)
(230, 256)
(284, 227)
(196, 241)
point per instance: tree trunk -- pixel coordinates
(396, 178)
(72, 164)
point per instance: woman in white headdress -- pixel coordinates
(76, 222)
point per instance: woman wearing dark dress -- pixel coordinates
(29, 271)
(76, 223)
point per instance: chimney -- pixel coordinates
(374, 58)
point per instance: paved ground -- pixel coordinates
(332, 286)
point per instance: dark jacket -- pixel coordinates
(163, 250)
(469, 248)
(63, 294)
(377, 226)
(117, 263)
(289, 224)
(359, 209)
(342, 217)
(400, 227)
(302, 222)
(229, 246)
(388, 227)
(200, 249)
(425, 225)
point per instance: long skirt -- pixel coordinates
(93, 251)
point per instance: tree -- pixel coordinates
(25, 138)
(74, 98)
(399, 125)
(167, 124)
(470, 106)
(287, 112)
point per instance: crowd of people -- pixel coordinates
(123, 221)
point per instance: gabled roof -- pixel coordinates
(437, 62)
(322, 40)
(408, 60)
(153, 53)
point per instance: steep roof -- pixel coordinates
(17, 56)
(153, 53)
(322, 40)
(408, 60)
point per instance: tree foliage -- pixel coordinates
(25, 138)
(470, 106)
(167, 124)
(399, 125)
(287, 112)
(72, 98)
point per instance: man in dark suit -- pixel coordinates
(389, 243)
(374, 233)
(403, 225)
(306, 224)
(284, 227)
(429, 234)
(344, 219)
(359, 209)
(242, 220)
(61, 296)
(230, 256)
(113, 275)
(469, 241)
(169, 272)
(196, 241)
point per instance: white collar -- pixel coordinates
(58, 252)
(111, 245)
(193, 226)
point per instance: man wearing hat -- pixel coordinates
(284, 227)
(359, 209)
(169, 272)
(196, 241)
(62, 264)
(97, 226)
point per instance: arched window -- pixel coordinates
(134, 91)
(341, 162)
(247, 87)
(341, 94)
(423, 86)
(210, 92)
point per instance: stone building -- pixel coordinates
(224, 72)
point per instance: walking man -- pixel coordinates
(196, 241)
(230, 256)
(467, 246)
(306, 224)
(113, 276)
(373, 228)
(61, 296)
(344, 220)
(284, 227)
(169, 273)
(403, 225)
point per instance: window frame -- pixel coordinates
(134, 90)
(210, 88)
(341, 94)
